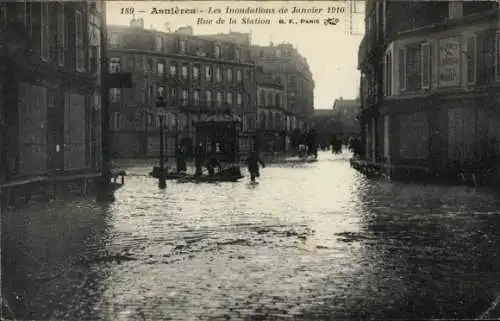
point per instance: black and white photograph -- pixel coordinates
(249, 160)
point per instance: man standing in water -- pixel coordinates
(198, 160)
(253, 165)
(181, 160)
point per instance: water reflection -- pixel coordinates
(43, 248)
(314, 242)
(429, 252)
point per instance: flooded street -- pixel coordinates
(314, 241)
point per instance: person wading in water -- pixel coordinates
(253, 165)
(198, 160)
(181, 160)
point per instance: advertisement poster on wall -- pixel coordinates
(449, 62)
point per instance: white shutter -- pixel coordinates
(425, 72)
(385, 75)
(497, 56)
(402, 68)
(471, 60)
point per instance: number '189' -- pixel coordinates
(128, 10)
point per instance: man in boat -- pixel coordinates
(253, 165)
(211, 165)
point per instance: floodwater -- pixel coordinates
(312, 241)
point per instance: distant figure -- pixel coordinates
(181, 160)
(253, 165)
(211, 165)
(312, 143)
(355, 146)
(336, 145)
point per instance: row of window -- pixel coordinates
(185, 96)
(117, 121)
(272, 121)
(416, 63)
(269, 99)
(229, 74)
(62, 31)
(276, 53)
(216, 50)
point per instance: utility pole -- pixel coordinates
(160, 103)
(106, 193)
(146, 113)
(177, 130)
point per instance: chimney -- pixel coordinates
(138, 23)
(187, 30)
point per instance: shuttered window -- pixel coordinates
(45, 32)
(413, 66)
(80, 63)
(60, 34)
(486, 57)
(471, 60)
(402, 68)
(426, 65)
(497, 56)
(388, 74)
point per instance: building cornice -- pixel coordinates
(120, 51)
(123, 29)
(449, 24)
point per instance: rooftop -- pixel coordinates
(342, 103)
(324, 113)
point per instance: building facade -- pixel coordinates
(272, 117)
(326, 124)
(198, 76)
(429, 84)
(284, 63)
(346, 112)
(50, 78)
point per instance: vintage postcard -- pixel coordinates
(249, 160)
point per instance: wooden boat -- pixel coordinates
(209, 179)
(169, 176)
(231, 174)
(173, 175)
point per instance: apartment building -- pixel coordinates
(198, 76)
(285, 63)
(429, 84)
(50, 71)
(273, 118)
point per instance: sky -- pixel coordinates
(330, 50)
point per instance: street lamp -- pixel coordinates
(161, 105)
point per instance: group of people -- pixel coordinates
(353, 143)
(306, 144)
(212, 165)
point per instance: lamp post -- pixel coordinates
(147, 84)
(160, 103)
